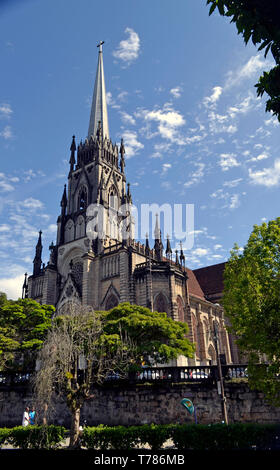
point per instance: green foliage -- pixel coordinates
(23, 327)
(4, 435)
(251, 302)
(258, 20)
(223, 437)
(158, 338)
(185, 437)
(36, 437)
(106, 437)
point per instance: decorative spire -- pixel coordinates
(72, 160)
(129, 197)
(182, 256)
(158, 247)
(157, 231)
(147, 246)
(122, 152)
(168, 250)
(99, 105)
(63, 202)
(177, 259)
(37, 262)
(25, 288)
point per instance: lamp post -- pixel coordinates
(220, 374)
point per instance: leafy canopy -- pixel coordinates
(252, 303)
(156, 337)
(258, 20)
(23, 327)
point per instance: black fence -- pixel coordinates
(149, 374)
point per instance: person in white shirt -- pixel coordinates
(25, 418)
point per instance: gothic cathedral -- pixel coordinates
(111, 267)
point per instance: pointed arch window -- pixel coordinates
(111, 302)
(113, 199)
(160, 304)
(82, 201)
(180, 304)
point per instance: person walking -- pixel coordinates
(25, 418)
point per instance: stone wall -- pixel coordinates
(155, 403)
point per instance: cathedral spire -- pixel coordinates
(37, 262)
(99, 105)
(72, 160)
(168, 251)
(158, 247)
(63, 202)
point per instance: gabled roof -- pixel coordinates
(193, 285)
(210, 278)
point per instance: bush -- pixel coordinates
(36, 437)
(154, 435)
(4, 435)
(105, 437)
(223, 437)
(185, 437)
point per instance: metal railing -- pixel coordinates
(150, 374)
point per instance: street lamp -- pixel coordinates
(220, 382)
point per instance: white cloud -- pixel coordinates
(5, 110)
(168, 121)
(31, 204)
(262, 156)
(5, 186)
(166, 166)
(196, 176)
(217, 247)
(227, 161)
(234, 201)
(267, 176)
(12, 286)
(210, 101)
(127, 118)
(6, 133)
(272, 122)
(200, 252)
(218, 123)
(254, 65)
(128, 49)
(243, 107)
(132, 145)
(233, 183)
(176, 92)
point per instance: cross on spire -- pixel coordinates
(100, 45)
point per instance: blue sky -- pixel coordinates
(180, 88)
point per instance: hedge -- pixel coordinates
(33, 437)
(121, 437)
(184, 437)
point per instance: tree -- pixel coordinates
(252, 303)
(258, 20)
(23, 327)
(157, 338)
(84, 346)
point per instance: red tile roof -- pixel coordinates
(193, 285)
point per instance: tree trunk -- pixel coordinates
(75, 428)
